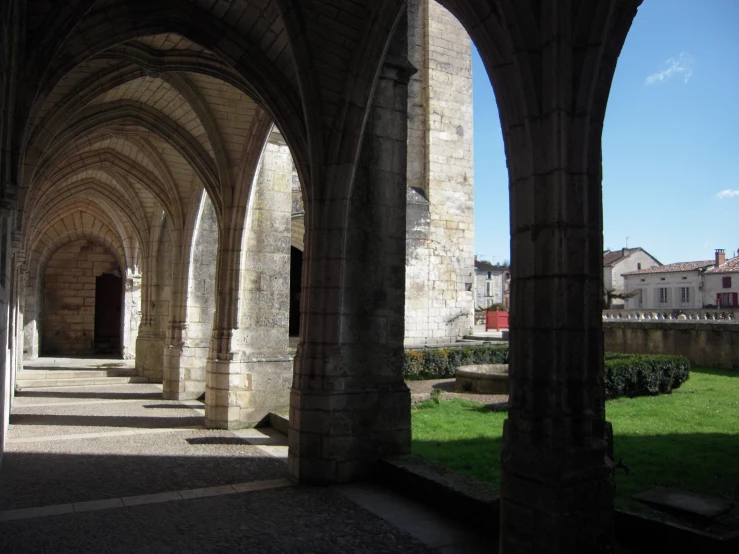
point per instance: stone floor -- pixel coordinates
(113, 468)
(421, 390)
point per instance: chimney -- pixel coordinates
(720, 256)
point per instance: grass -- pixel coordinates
(687, 440)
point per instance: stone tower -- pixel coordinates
(440, 236)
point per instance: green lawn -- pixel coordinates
(688, 440)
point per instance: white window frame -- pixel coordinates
(684, 295)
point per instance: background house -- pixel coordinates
(721, 282)
(685, 285)
(491, 283)
(618, 262)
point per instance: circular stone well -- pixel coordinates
(482, 379)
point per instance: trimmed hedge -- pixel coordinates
(645, 374)
(442, 363)
(625, 374)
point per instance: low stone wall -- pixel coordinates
(707, 344)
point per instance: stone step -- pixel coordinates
(24, 384)
(279, 422)
(478, 338)
(57, 374)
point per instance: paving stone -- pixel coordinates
(692, 503)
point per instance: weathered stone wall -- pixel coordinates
(131, 315)
(254, 377)
(708, 344)
(201, 299)
(440, 239)
(150, 343)
(68, 312)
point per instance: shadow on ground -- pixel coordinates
(90, 395)
(105, 421)
(29, 479)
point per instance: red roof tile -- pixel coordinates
(729, 266)
(674, 268)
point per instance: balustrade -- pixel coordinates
(703, 314)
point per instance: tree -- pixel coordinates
(610, 294)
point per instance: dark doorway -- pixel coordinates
(296, 272)
(108, 294)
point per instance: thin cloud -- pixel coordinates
(679, 66)
(728, 193)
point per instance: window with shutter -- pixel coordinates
(726, 281)
(663, 296)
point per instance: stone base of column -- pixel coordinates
(150, 357)
(338, 436)
(557, 502)
(184, 372)
(242, 393)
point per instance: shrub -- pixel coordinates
(435, 363)
(625, 374)
(644, 374)
(413, 368)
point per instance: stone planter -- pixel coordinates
(482, 379)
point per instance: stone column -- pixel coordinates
(190, 314)
(30, 318)
(157, 285)
(250, 366)
(131, 314)
(349, 405)
(556, 460)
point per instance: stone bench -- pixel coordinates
(482, 379)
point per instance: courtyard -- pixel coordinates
(686, 440)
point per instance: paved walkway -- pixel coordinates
(421, 390)
(116, 469)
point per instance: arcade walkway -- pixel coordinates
(113, 468)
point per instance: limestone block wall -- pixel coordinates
(201, 299)
(243, 390)
(131, 315)
(703, 343)
(266, 275)
(440, 237)
(68, 308)
(151, 339)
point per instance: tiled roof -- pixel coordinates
(729, 266)
(673, 268)
(612, 258)
(487, 266)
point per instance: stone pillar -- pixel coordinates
(192, 306)
(556, 460)
(30, 318)
(131, 314)
(439, 253)
(349, 405)
(6, 270)
(250, 366)
(157, 285)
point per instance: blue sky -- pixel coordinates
(670, 142)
